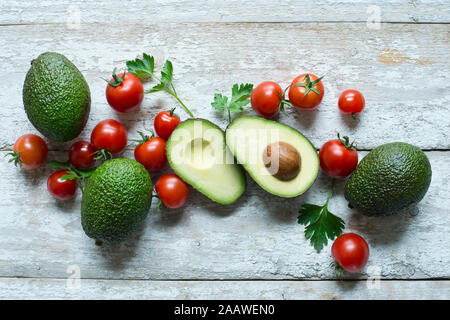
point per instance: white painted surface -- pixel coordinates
(403, 70)
(212, 290)
(255, 238)
(162, 11)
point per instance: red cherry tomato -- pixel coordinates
(152, 154)
(351, 102)
(30, 151)
(172, 191)
(351, 252)
(266, 98)
(110, 135)
(124, 93)
(165, 123)
(338, 158)
(309, 84)
(82, 154)
(59, 188)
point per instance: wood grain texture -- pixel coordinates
(211, 290)
(402, 70)
(255, 238)
(163, 11)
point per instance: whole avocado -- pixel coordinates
(388, 180)
(116, 200)
(56, 97)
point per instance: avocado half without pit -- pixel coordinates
(197, 152)
(279, 158)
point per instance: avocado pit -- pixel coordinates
(282, 160)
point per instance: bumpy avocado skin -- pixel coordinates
(390, 179)
(116, 200)
(56, 97)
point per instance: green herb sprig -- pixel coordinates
(72, 173)
(146, 66)
(321, 224)
(240, 95)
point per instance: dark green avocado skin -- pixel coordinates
(56, 97)
(390, 179)
(116, 200)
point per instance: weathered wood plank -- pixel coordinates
(160, 11)
(13, 288)
(255, 238)
(402, 70)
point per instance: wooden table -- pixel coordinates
(253, 248)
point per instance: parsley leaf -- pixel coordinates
(158, 87)
(167, 72)
(220, 102)
(72, 173)
(146, 66)
(142, 68)
(320, 223)
(240, 95)
(79, 175)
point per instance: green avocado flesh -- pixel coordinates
(249, 136)
(116, 200)
(56, 97)
(390, 179)
(197, 152)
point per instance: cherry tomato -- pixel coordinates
(110, 135)
(351, 252)
(338, 158)
(172, 191)
(82, 154)
(309, 84)
(165, 123)
(351, 102)
(59, 188)
(266, 98)
(124, 92)
(152, 153)
(30, 152)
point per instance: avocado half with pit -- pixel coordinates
(279, 158)
(197, 152)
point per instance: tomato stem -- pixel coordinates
(144, 137)
(338, 270)
(346, 142)
(159, 204)
(15, 157)
(116, 80)
(103, 154)
(310, 85)
(283, 101)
